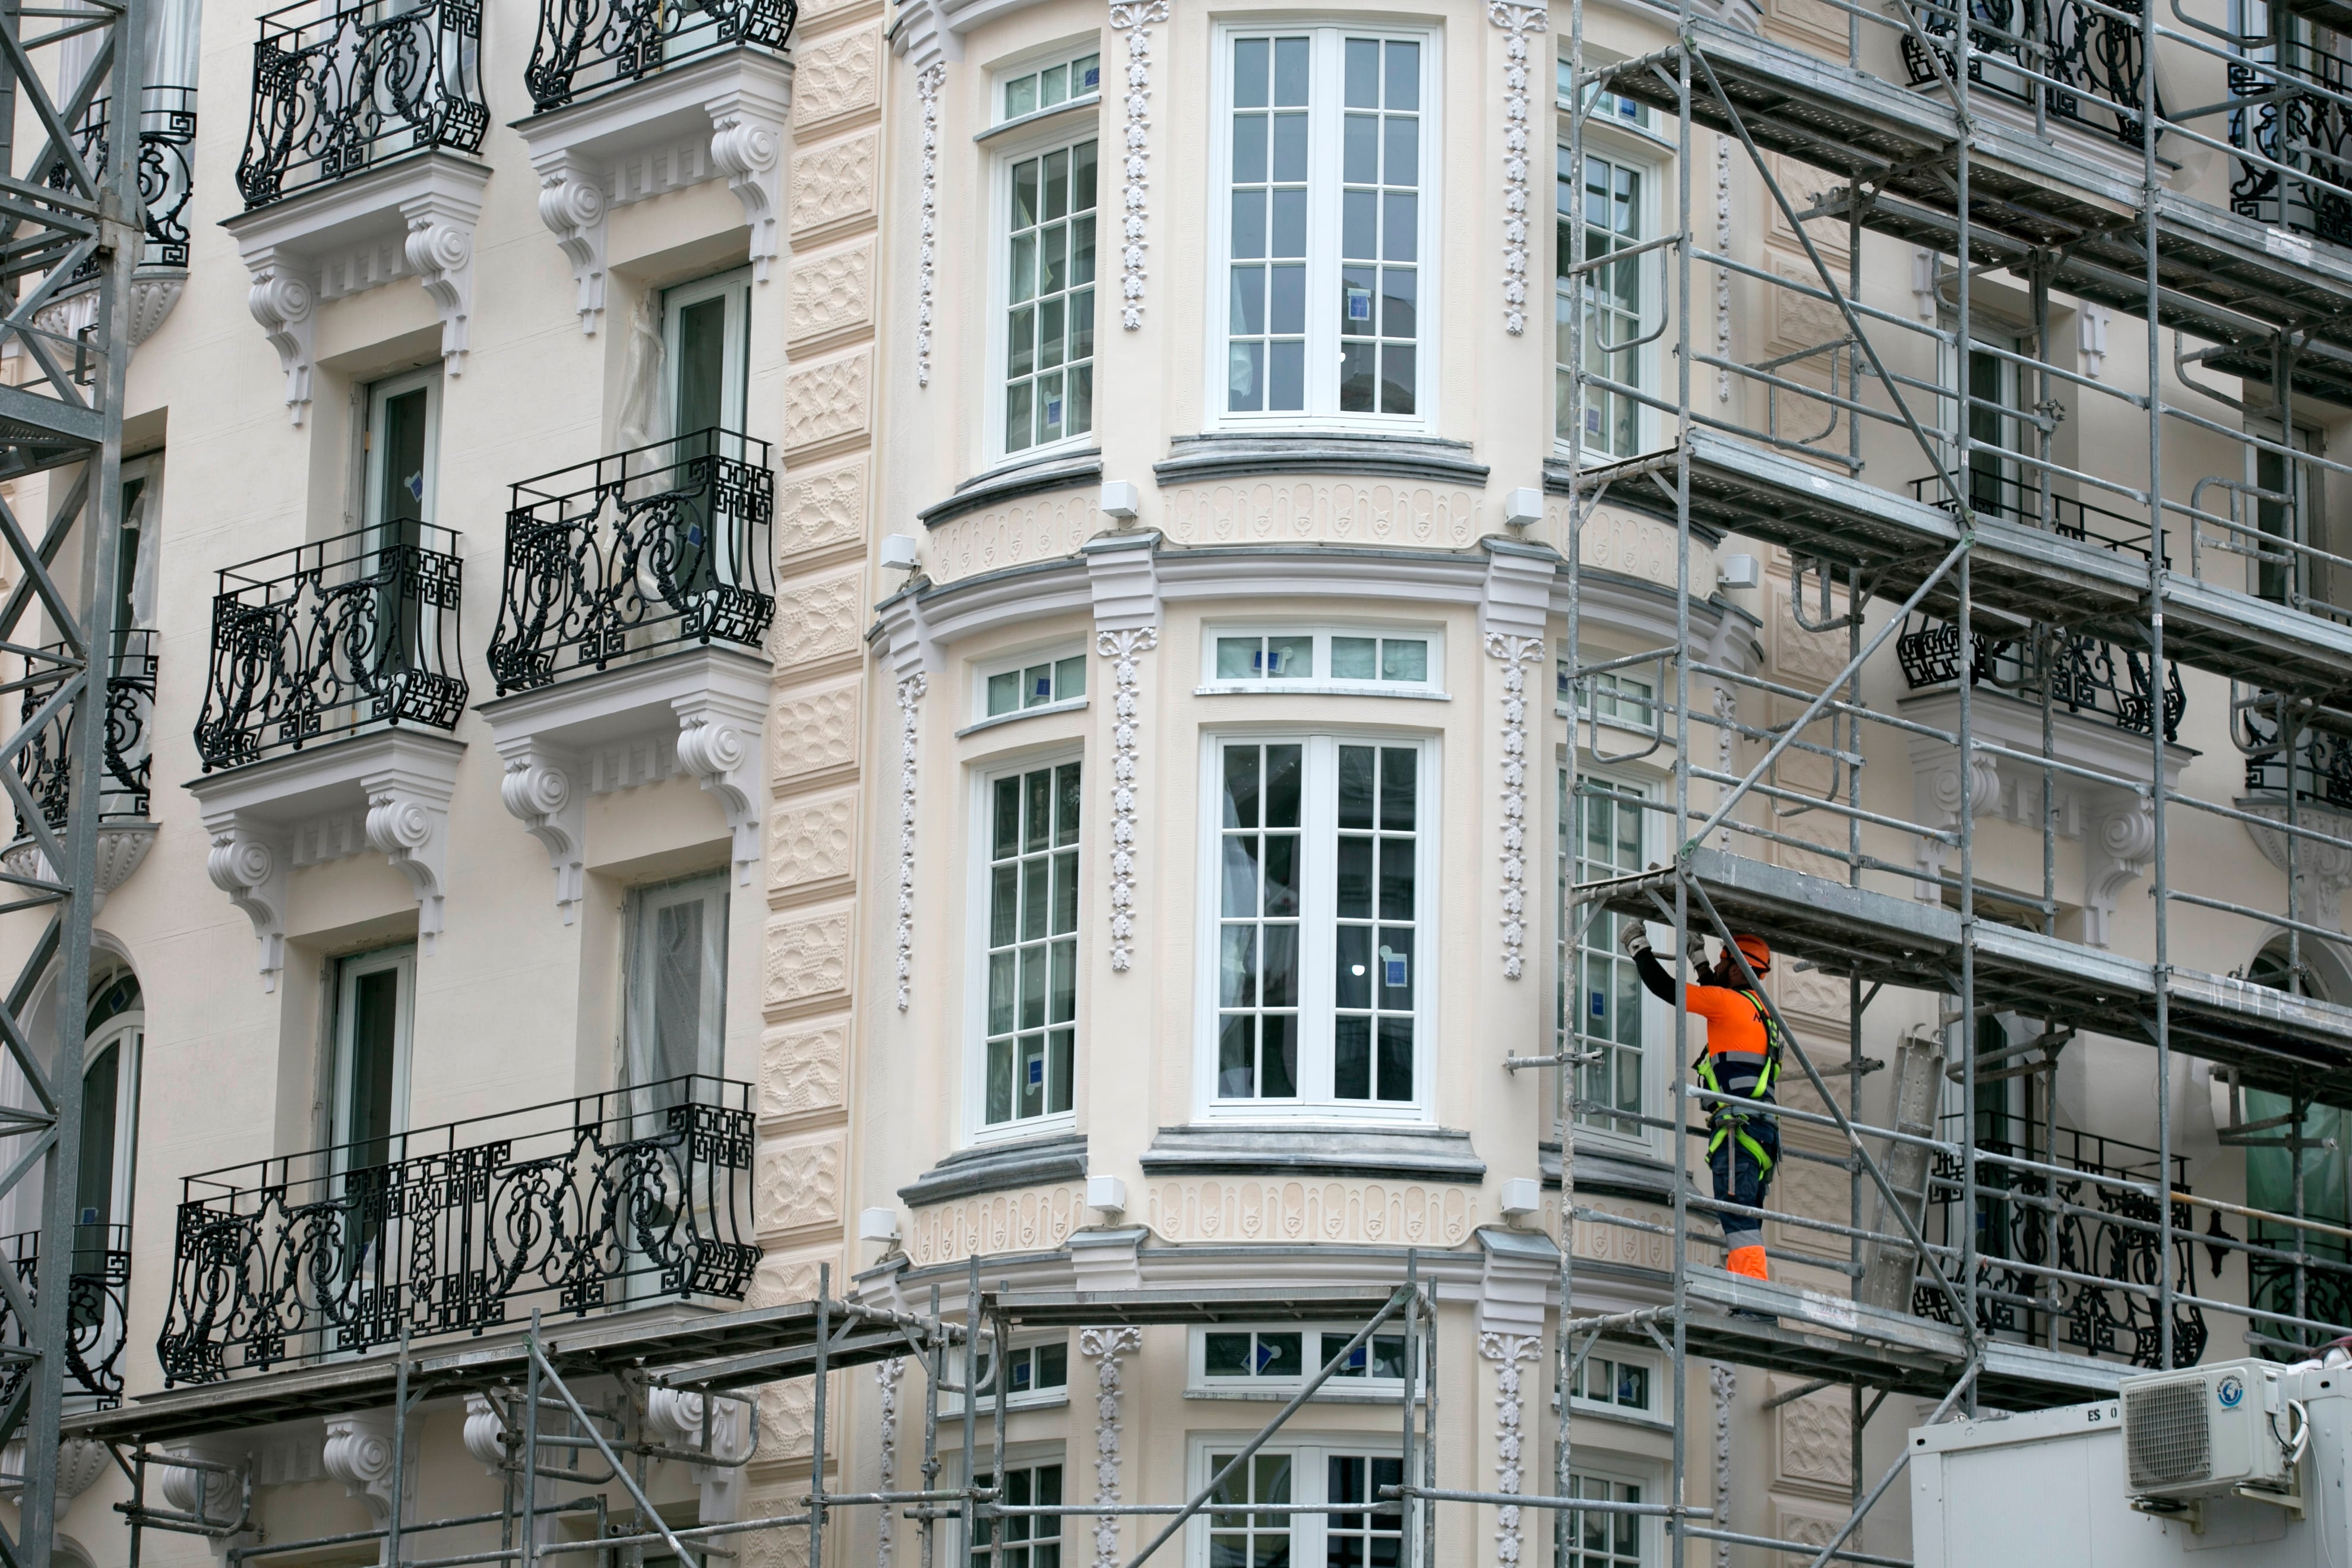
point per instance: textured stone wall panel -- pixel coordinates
(810, 843)
(836, 76)
(832, 183)
(808, 957)
(830, 292)
(788, 1421)
(822, 509)
(828, 401)
(783, 1278)
(801, 1068)
(800, 1180)
(812, 732)
(820, 617)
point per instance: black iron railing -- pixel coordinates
(2324, 1290)
(2098, 57)
(333, 95)
(647, 549)
(2322, 768)
(129, 719)
(585, 47)
(99, 1285)
(2085, 676)
(167, 138)
(2306, 132)
(2033, 1231)
(331, 638)
(581, 1206)
(2020, 500)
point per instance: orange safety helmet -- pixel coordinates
(1752, 948)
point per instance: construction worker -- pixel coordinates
(1742, 1062)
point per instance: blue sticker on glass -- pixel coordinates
(1360, 304)
(1053, 411)
(1392, 969)
(1036, 1070)
(1600, 1004)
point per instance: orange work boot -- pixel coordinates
(1749, 1261)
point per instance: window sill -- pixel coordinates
(1318, 689)
(1584, 1412)
(1026, 1162)
(1029, 476)
(1075, 705)
(1323, 1395)
(1040, 118)
(1434, 1154)
(1242, 454)
(1616, 1174)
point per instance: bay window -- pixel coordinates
(1372, 1533)
(1616, 206)
(1029, 946)
(1328, 158)
(1315, 873)
(1046, 380)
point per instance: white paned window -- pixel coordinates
(1246, 658)
(1277, 1359)
(1048, 386)
(1603, 1006)
(1326, 225)
(1036, 90)
(1030, 955)
(1618, 1386)
(1616, 209)
(1604, 1540)
(1364, 1537)
(1031, 1540)
(1611, 108)
(1039, 681)
(1316, 879)
(1618, 696)
(1040, 1376)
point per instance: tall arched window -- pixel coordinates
(2324, 1291)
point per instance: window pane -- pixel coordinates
(1404, 658)
(1050, 266)
(1355, 659)
(1032, 953)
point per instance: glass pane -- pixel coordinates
(401, 498)
(1355, 659)
(702, 365)
(1404, 660)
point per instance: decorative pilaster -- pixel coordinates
(1507, 1351)
(1518, 21)
(1517, 653)
(886, 1380)
(1724, 1383)
(1104, 1347)
(911, 699)
(1135, 18)
(1122, 647)
(927, 82)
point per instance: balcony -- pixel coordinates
(100, 1284)
(2085, 676)
(2297, 115)
(124, 830)
(632, 622)
(2314, 787)
(2070, 44)
(588, 47)
(2044, 1244)
(335, 677)
(615, 1199)
(167, 136)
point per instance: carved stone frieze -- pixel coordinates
(1340, 511)
(838, 75)
(1105, 1347)
(1135, 19)
(807, 957)
(811, 843)
(830, 293)
(1122, 648)
(800, 1182)
(819, 617)
(828, 401)
(800, 1069)
(813, 731)
(820, 509)
(1027, 1220)
(1244, 1208)
(832, 184)
(1039, 528)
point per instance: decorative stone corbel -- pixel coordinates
(122, 848)
(485, 1433)
(718, 743)
(747, 144)
(2115, 853)
(674, 1420)
(214, 1495)
(572, 205)
(408, 820)
(541, 790)
(251, 867)
(2322, 871)
(441, 253)
(285, 300)
(1941, 807)
(358, 1453)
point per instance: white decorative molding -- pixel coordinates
(1518, 21)
(209, 1494)
(358, 1452)
(1104, 1347)
(485, 1433)
(910, 700)
(2116, 852)
(1135, 18)
(2091, 337)
(1122, 648)
(122, 847)
(1507, 1351)
(267, 818)
(722, 118)
(413, 216)
(886, 1382)
(927, 82)
(2322, 871)
(701, 712)
(1517, 653)
(1725, 1384)
(81, 1462)
(674, 1417)
(153, 292)
(1722, 274)
(1924, 282)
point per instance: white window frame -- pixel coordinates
(1308, 1453)
(1018, 147)
(978, 1129)
(1317, 924)
(983, 670)
(347, 970)
(1609, 1409)
(1657, 1017)
(951, 1397)
(1625, 1470)
(379, 394)
(1341, 1389)
(736, 286)
(1026, 1456)
(1322, 411)
(1213, 685)
(1615, 693)
(1035, 62)
(710, 889)
(1639, 150)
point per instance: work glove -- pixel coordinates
(1634, 939)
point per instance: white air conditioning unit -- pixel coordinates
(2206, 1431)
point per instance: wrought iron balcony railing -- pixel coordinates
(167, 138)
(608, 1201)
(2042, 1243)
(2322, 767)
(2062, 44)
(2001, 494)
(647, 549)
(588, 47)
(2085, 676)
(100, 1284)
(130, 719)
(331, 638)
(335, 95)
(2309, 131)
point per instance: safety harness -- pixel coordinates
(1726, 1121)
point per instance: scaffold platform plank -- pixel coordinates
(2275, 1040)
(1744, 487)
(1811, 1335)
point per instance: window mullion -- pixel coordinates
(1318, 900)
(1323, 228)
